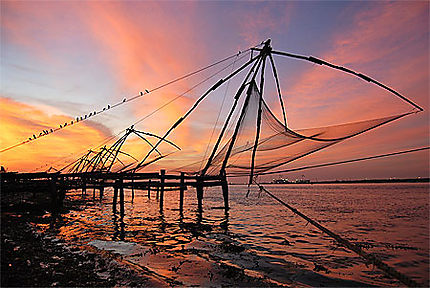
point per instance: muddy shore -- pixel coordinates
(34, 259)
(31, 258)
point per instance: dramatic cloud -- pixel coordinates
(20, 121)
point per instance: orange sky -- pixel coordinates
(62, 60)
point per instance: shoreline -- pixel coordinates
(356, 181)
(30, 258)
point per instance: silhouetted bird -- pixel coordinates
(123, 100)
(52, 130)
(71, 123)
(65, 124)
(146, 90)
(85, 116)
(34, 136)
(108, 106)
(29, 138)
(104, 109)
(141, 93)
(61, 126)
(81, 117)
(40, 134)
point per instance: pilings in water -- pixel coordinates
(59, 183)
(224, 187)
(84, 185)
(199, 191)
(181, 193)
(102, 189)
(115, 196)
(162, 181)
(121, 197)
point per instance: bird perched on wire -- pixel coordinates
(146, 90)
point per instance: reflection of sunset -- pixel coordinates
(20, 121)
(214, 143)
(112, 51)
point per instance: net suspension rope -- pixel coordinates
(370, 258)
(109, 138)
(125, 100)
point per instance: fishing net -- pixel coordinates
(277, 144)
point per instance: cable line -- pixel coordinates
(351, 246)
(125, 100)
(340, 162)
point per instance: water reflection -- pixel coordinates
(263, 238)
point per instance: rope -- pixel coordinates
(109, 138)
(217, 118)
(340, 162)
(125, 100)
(346, 70)
(351, 246)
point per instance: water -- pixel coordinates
(263, 239)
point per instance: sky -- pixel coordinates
(64, 59)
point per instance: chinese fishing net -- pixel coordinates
(277, 145)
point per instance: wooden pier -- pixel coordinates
(57, 185)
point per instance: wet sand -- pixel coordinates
(33, 259)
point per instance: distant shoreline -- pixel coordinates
(357, 181)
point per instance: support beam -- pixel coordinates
(102, 188)
(115, 196)
(149, 189)
(199, 190)
(162, 174)
(121, 197)
(132, 189)
(181, 193)
(224, 186)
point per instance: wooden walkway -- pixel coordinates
(57, 185)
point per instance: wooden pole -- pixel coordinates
(181, 193)
(102, 189)
(199, 190)
(84, 185)
(162, 174)
(121, 197)
(224, 186)
(115, 196)
(94, 188)
(132, 189)
(149, 189)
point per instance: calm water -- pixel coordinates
(263, 238)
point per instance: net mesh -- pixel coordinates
(278, 145)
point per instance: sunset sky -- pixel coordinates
(61, 60)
